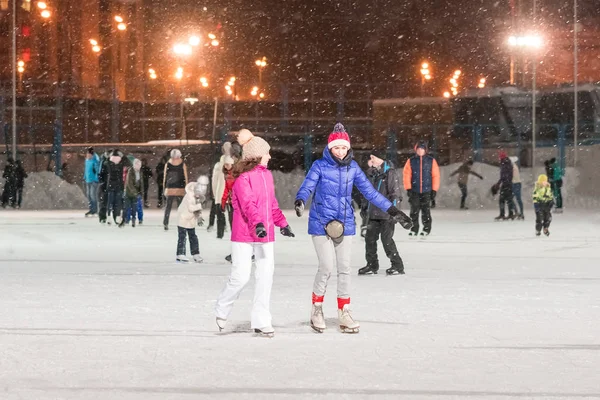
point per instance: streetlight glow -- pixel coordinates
(42, 5)
(122, 26)
(96, 48)
(93, 42)
(214, 43)
(447, 95)
(118, 18)
(45, 14)
(534, 41)
(21, 63)
(212, 36)
(194, 40)
(261, 63)
(182, 49)
(425, 65)
(179, 73)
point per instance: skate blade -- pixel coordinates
(345, 329)
(221, 328)
(259, 333)
(318, 330)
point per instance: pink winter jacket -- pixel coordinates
(254, 202)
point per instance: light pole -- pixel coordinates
(425, 76)
(14, 79)
(261, 64)
(531, 43)
(575, 84)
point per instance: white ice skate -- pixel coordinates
(347, 323)
(317, 320)
(265, 332)
(197, 258)
(182, 258)
(221, 323)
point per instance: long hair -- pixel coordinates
(244, 166)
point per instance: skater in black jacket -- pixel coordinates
(20, 175)
(386, 180)
(505, 187)
(9, 193)
(146, 175)
(115, 185)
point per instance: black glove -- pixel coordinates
(287, 231)
(399, 217)
(393, 211)
(261, 232)
(299, 207)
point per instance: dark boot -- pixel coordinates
(368, 270)
(394, 271)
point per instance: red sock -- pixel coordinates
(317, 299)
(343, 302)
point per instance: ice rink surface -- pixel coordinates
(486, 311)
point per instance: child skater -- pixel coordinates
(189, 213)
(543, 201)
(256, 213)
(331, 222)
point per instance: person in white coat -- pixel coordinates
(218, 187)
(189, 212)
(516, 187)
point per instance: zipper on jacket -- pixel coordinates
(340, 192)
(421, 175)
(262, 174)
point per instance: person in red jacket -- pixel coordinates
(421, 181)
(229, 181)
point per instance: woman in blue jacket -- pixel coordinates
(331, 221)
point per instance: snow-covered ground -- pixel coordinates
(485, 311)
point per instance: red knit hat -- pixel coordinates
(502, 154)
(339, 137)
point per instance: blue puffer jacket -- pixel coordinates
(331, 181)
(92, 169)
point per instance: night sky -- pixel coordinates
(368, 41)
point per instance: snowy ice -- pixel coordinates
(486, 311)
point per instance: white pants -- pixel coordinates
(241, 259)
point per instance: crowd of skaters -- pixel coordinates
(243, 190)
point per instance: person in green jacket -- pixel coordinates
(543, 200)
(556, 183)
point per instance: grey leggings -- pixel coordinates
(332, 253)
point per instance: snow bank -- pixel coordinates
(479, 193)
(46, 191)
(286, 187)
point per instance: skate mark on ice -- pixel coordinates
(232, 329)
(72, 332)
(317, 391)
(562, 347)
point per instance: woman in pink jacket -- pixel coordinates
(255, 215)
